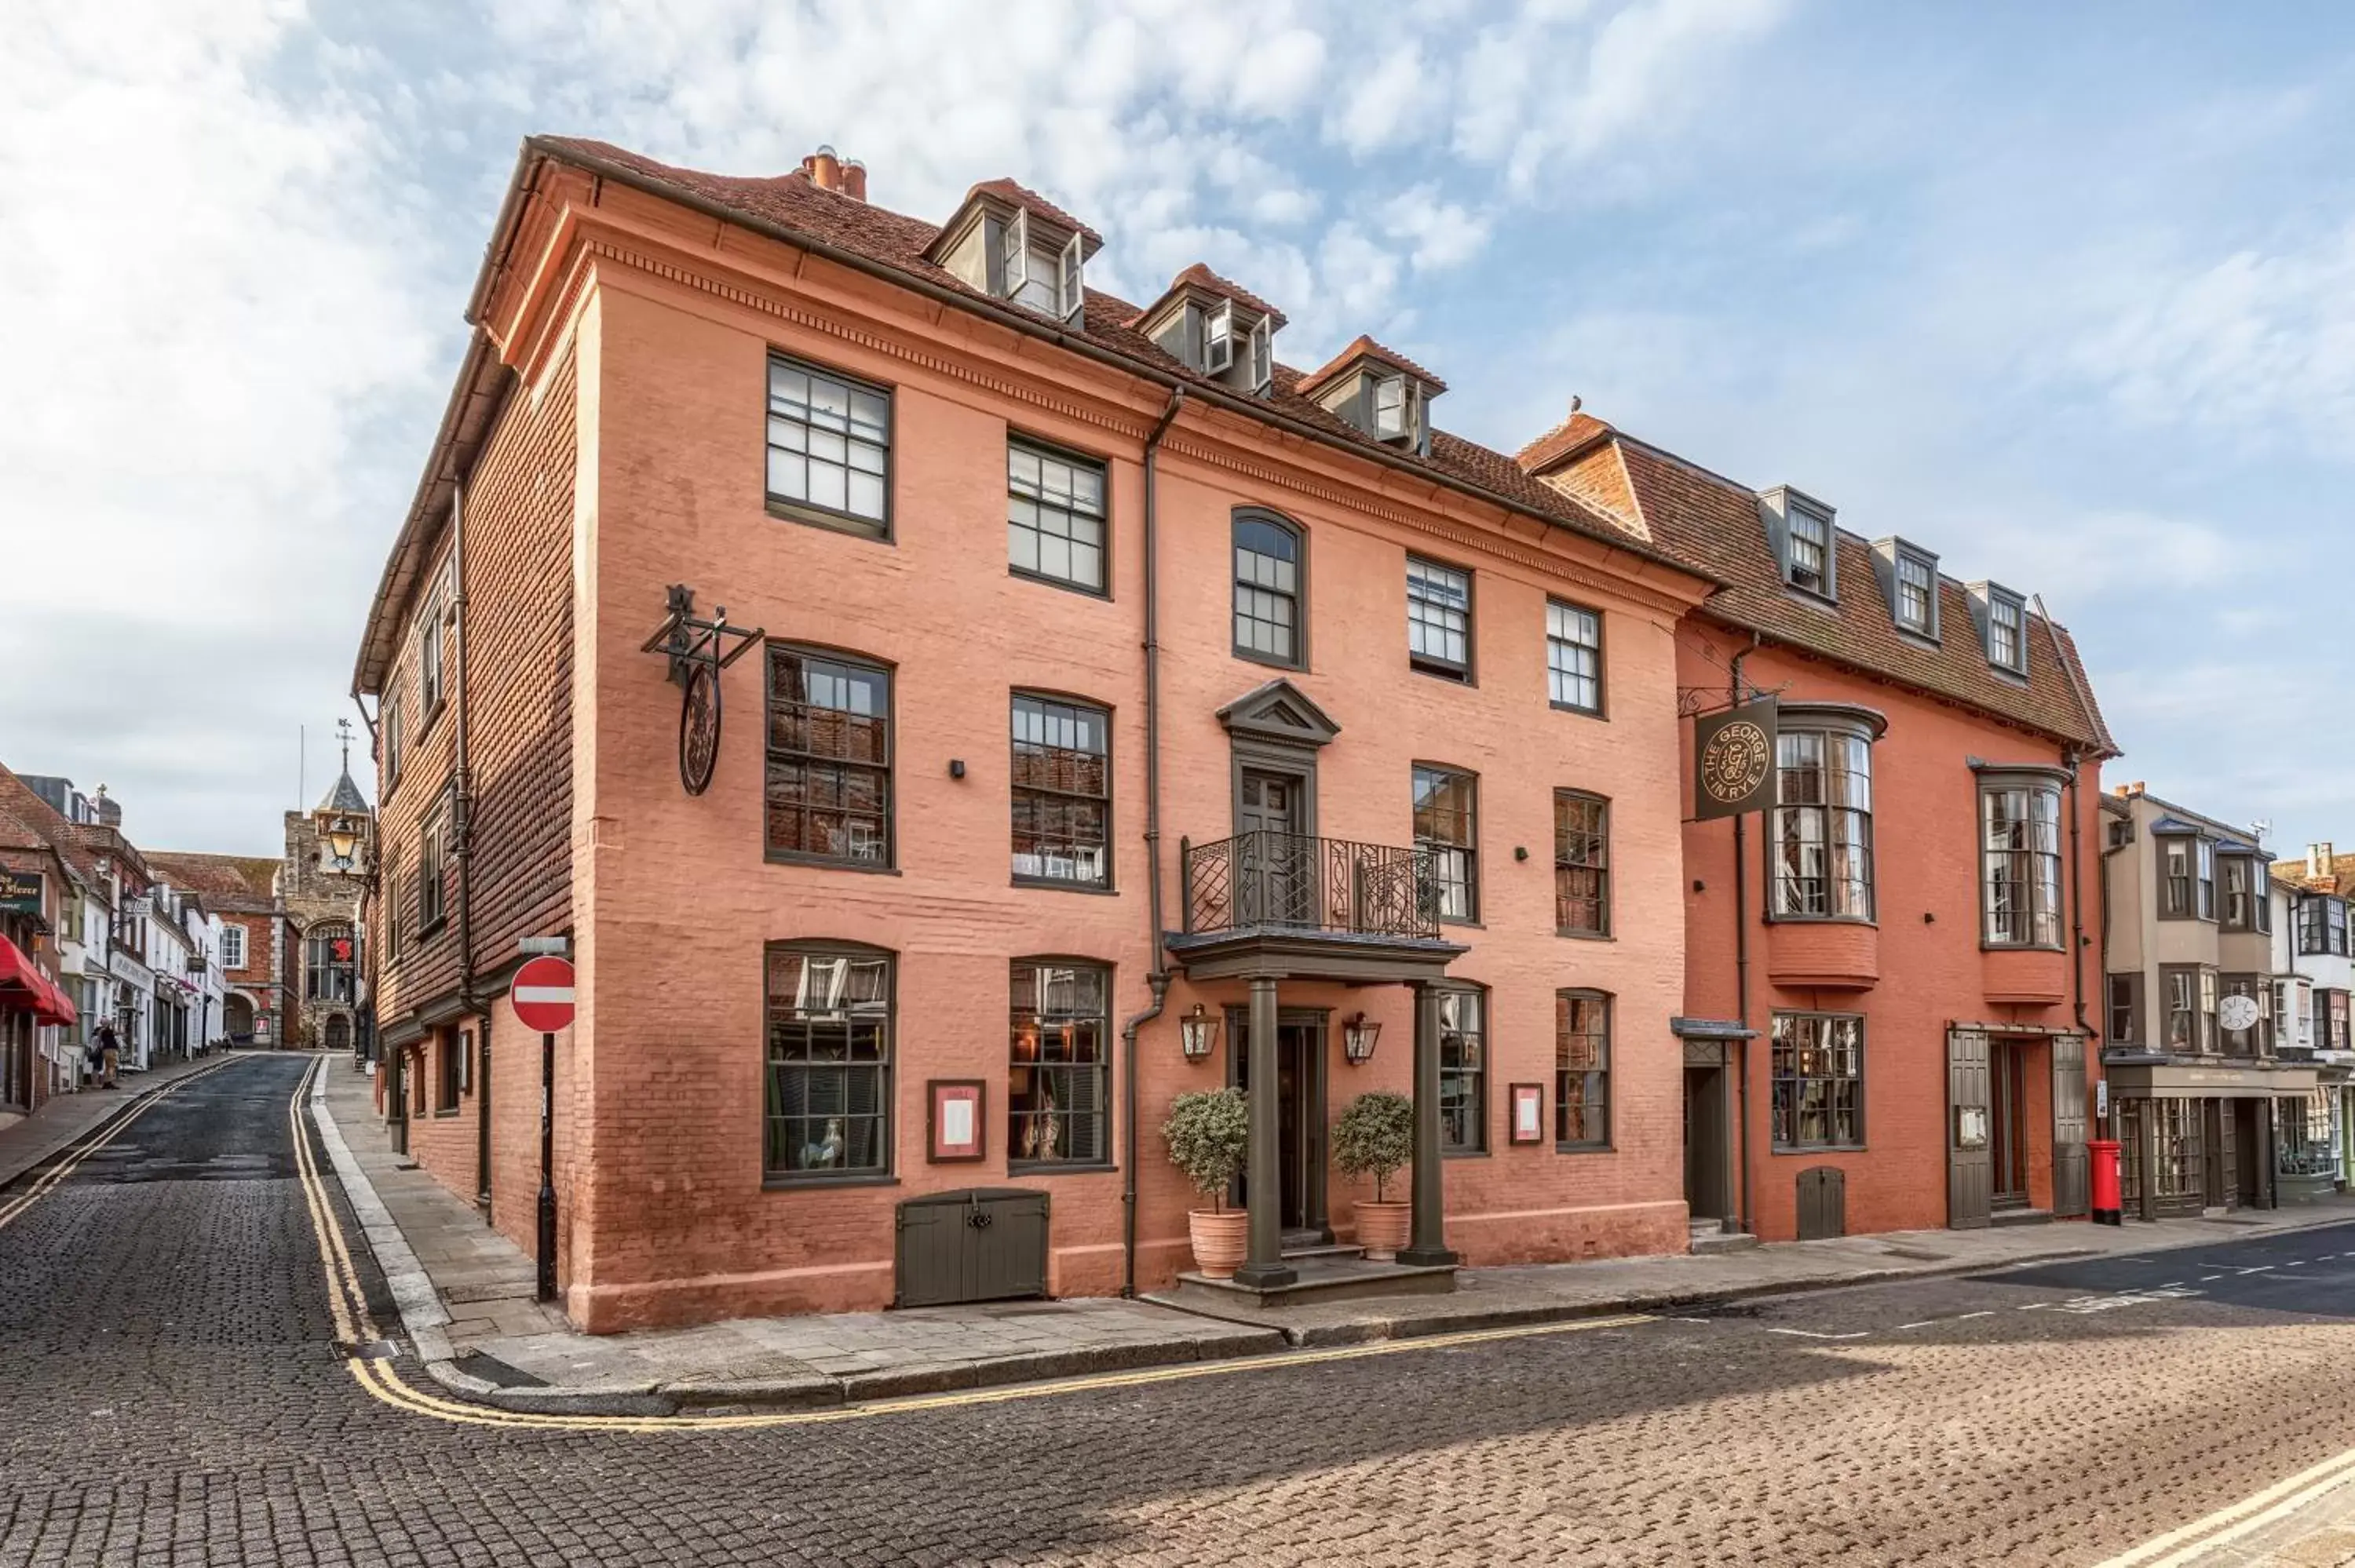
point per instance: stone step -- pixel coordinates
(1323, 1249)
(1713, 1240)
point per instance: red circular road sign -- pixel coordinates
(542, 995)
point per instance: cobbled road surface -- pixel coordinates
(172, 1392)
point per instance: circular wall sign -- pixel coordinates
(2237, 1011)
(1736, 763)
(698, 727)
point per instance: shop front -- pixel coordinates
(2200, 1139)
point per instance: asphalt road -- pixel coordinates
(173, 1391)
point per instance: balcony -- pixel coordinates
(1275, 903)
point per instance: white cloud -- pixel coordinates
(1444, 234)
(2261, 346)
(1382, 107)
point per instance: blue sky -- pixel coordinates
(2066, 293)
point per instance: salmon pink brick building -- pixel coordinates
(1892, 999)
(1102, 708)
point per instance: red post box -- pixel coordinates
(2107, 1210)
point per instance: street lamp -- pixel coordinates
(1197, 1034)
(343, 839)
(1360, 1035)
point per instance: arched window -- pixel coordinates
(1271, 586)
(332, 960)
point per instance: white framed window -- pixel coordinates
(429, 658)
(1393, 417)
(1573, 657)
(1070, 283)
(1219, 338)
(2007, 634)
(1439, 619)
(1263, 356)
(1917, 594)
(232, 946)
(1017, 255)
(1810, 565)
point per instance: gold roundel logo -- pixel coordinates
(1734, 765)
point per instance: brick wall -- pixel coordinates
(1922, 954)
(677, 902)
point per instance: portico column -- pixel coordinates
(1428, 1246)
(1265, 1265)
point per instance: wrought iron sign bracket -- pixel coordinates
(699, 650)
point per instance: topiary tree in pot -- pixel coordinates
(1209, 1134)
(1375, 1136)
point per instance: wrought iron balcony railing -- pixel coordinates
(1289, 880)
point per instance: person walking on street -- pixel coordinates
(110, 1057)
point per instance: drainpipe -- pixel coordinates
(462, 814)
(1745, 1220)
(1158, 976)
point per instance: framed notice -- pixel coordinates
(955, 1122)
(1528, 1114)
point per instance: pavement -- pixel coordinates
(196, 1367)
(35, 1139)
(467, 1296)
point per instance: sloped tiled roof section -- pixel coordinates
(39, 821)
(1715, 524)
(1365, 347)
(1023, 197)
(229, 881)
(899, 243)
(1200, 277)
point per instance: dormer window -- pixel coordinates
(2003, 626)
(1805, 544)
(1811, 552)
(1013, 244)
(1041, 275)
(2007, 648)
(1386, 395)
(1216, 328)
(1909, 576)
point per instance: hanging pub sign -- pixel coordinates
(20, 892)
(699, 650)
(1733, 761)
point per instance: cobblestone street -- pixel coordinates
(175, 1393)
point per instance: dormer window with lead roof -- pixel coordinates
(1015, 245)
(1909, 577)
(2002, 616)
(1385, 395)
(1805, 546)
(1216, 328)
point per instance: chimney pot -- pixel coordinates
(854, 180)
(825, 169)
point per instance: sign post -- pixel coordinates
(542, 998)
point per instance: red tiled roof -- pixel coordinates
(39, 821)
(1200, 277)
(1565, 438)
(1366, 348)
(900, 243)
(1006, 190)
(1715, 523)
(228, 880)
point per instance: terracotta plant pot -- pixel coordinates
(1221, 1240)
(1383, 1229)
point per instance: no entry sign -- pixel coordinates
(542, 995)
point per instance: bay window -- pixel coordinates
(2019, 863)
(1821, 849)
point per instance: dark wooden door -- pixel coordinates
(1299, 1123)
(1970, 1165)
(1275, 865)
(1705, 1142)
(1823, 1203)
(2072, 1195)
(2007, 1162)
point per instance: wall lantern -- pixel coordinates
(1360, 1035)
(1197, 1034)
(343, 839)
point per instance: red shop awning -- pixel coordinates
(23, 988)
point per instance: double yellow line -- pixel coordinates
(97, 1138)
(378, 1377)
